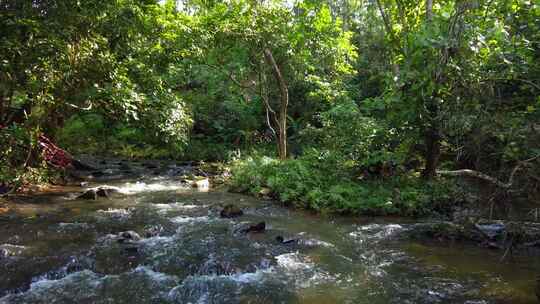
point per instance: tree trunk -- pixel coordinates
(432, 137)
(432, 153)
(429, 10)
(284, 97)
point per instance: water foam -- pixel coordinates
(139, 187)
(190, 220)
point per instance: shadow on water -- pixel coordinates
(161, 241)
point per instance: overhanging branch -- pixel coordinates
(488, 178)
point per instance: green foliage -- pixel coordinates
(353, 136)
(94, 134)
(20, 164)
(317, 181)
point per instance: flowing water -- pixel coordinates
(59, 249)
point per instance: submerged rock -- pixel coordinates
(126, 236)
(230, 211)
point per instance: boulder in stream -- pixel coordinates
(102, 192)
(95, 193)
(90, 194)
(230, 211)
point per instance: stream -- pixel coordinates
(163, 241)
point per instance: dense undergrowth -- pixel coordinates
(320, 182)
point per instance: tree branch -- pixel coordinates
(490, 179)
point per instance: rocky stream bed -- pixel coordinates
(158, 232)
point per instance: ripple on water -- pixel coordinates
(248, 287)
(163, 208)
(73, 227)
(121, 214)
(190, 220)
(302, 271)
(376, 232)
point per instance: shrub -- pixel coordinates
(319, 181)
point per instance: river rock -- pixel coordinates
(259, 227)
(255, 228)
(201, 183)
(94, 193)
(282, 240)
(265, 192)
(492, 230)
(90, 194)
(230, 211)
(102, 192)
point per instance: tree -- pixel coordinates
(266, 51)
